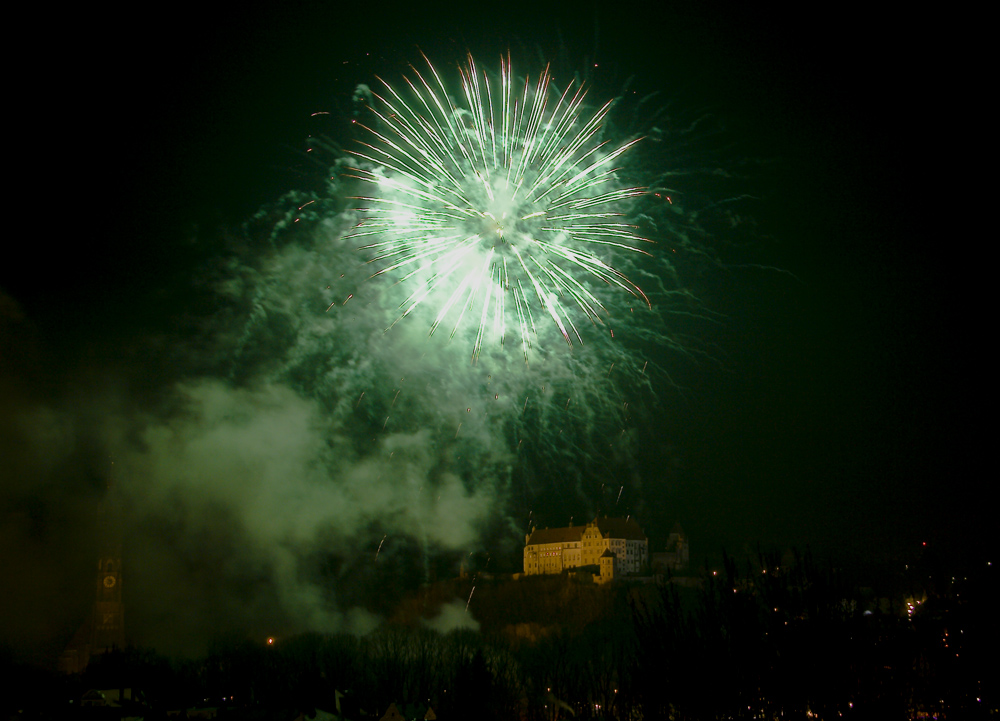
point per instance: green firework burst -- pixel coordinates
(499, 213)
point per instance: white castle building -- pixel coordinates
(617, 546)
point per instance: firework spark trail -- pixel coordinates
(494, 210)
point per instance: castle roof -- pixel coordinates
(625, 528)
(567, 534)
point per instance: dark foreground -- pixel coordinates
(767, 641)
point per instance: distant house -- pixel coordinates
(318, 715)
(615, 546)
(392, 714)
(412, 712)
(106, 697)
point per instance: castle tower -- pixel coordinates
(677, 544)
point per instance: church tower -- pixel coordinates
(108, 621)
(104, 629)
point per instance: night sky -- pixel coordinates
(832, 410)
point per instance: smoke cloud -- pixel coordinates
(290, 457)
(292, 450)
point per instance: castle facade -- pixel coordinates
(616, 546)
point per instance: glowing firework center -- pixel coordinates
(499, 214)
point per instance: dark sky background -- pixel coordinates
(835, 414)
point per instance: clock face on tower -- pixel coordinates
(109, 581)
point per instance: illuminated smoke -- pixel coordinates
(312, 445)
